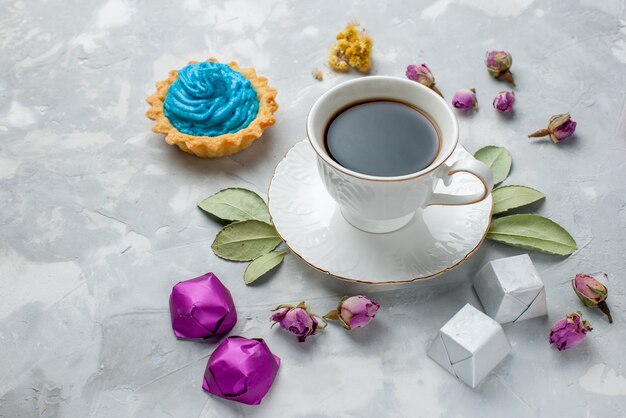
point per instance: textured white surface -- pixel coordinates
(90, 196)
(435, 240)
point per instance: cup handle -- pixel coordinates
(468, 165)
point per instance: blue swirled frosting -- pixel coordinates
(210, 99)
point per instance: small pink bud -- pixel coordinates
(592, 293)
(498, 64)
(569, 331)
(422, 74)
(465, 99)
(504, 101)
(297, 320)
(559, 128)
(354, 312)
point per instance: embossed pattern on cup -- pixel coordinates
(384, 204)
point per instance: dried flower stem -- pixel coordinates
(540, 133)
(605, 310)
(507, 76)
(332, 315)
(436, 90)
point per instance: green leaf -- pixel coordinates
(532, 232)
(511, 197)
(262, 265)
(496, 158)
(245, 240)
(236, 205)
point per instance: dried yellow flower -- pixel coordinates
(318, 75)
(337, 59)
(350, 33)
(353, 48)
(358, 54)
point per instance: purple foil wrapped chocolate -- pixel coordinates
(202, 308)
(241, 370)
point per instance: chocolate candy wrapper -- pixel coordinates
(202, 308)
(469, 346)
(510, 289)
(241, 370)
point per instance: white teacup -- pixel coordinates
(385, 204)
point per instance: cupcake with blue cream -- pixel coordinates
(212, 109)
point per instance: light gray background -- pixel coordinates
(98, 216)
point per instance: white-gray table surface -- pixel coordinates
(98, 215)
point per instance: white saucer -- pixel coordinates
(438, 239)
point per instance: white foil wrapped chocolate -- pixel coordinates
(470, 345)
(510, 289)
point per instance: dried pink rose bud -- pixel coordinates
(422, 74)
(465, 99)
(504, 101)
(559, 128)
(592, 293)
(298, 320)
(498, 64)
(569, 331)
(354, 312)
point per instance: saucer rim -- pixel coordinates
(350, 280)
